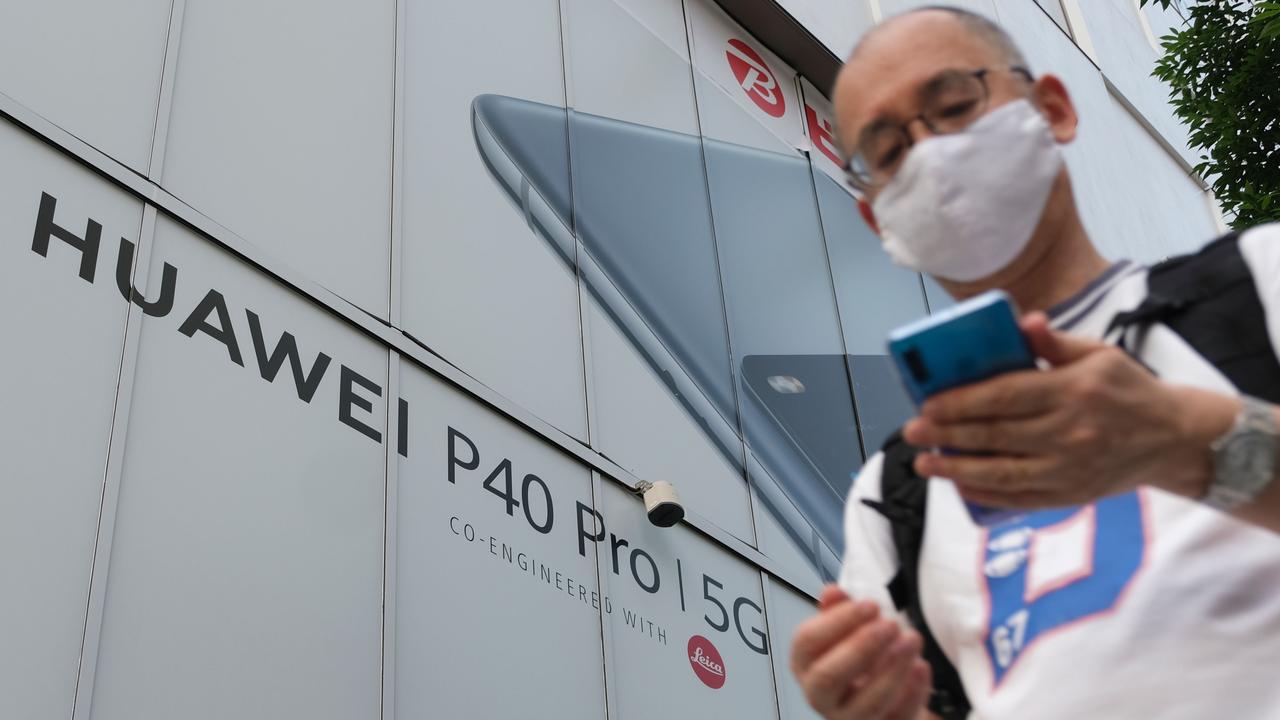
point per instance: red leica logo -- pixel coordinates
(706, 662)
(755, 77)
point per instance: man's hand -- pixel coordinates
(854, 665)
(1097, 423)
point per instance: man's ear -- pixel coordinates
(868, 216)
(1054, 101)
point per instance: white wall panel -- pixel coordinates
(640, 426)
(640, 197)
(722, 118)
(481, 588)
(874, 295)
(62, 344)
(787, 610)
(663, 18)
(819, 128)
(478, 286)
(783, 323)
(746, 72)
(92, 68)
(781, 547)
(1166, 211)
(245, 575)
(937, 297)
(620, 68)
(836, 24)
(281, 130)
(681, 587)
(777, 280)
(1127, 58)
(1054, 9)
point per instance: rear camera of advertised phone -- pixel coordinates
(915, 364)
(786, 384)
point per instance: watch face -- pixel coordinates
(1250, 459)
(1244, 461)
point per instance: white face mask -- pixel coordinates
(964, 206)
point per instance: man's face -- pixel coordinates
(895, 76)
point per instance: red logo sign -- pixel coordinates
(756, 78)
(706, 661)
(820, 132)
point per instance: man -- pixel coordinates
(1151, 600)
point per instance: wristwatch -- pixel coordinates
(1245, 458)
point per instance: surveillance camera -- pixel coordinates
(662, 502)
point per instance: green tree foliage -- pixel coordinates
(1223, 71)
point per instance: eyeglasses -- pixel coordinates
(949, 103)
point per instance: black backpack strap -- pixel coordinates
(1210, 299)
(904, 496)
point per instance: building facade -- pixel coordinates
(338, 335)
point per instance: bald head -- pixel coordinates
(978, 26)
(892, 61)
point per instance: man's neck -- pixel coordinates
(1066, 266)
(1059, 261)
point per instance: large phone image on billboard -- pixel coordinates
(796, 411)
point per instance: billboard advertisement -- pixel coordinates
(332, 363)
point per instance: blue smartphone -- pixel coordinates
(966, 343)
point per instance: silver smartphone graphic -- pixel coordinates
(636, 224)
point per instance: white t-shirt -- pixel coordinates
(1144, 605)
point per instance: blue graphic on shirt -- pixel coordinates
(1118, 548)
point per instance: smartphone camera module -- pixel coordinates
(915, 364)
(786, 384)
